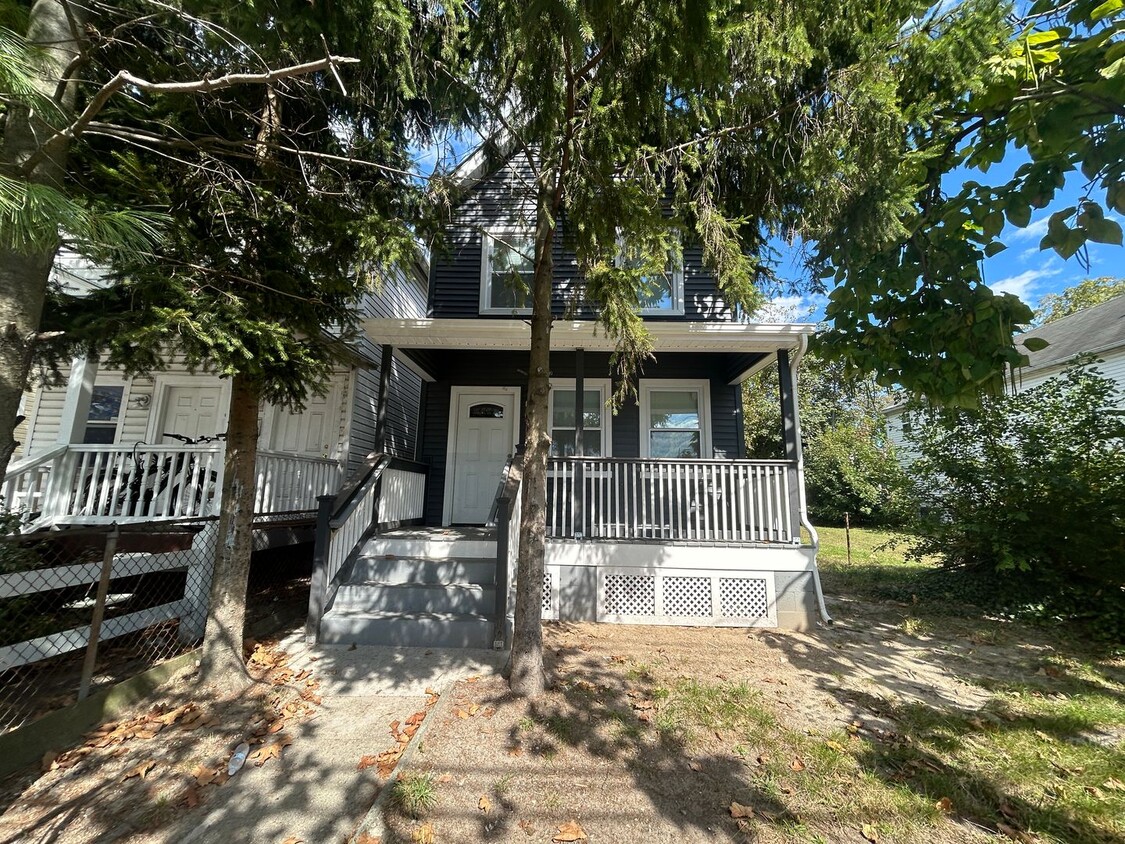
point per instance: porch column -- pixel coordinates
(789, 434)
(579, 426)
(381, 407)
(76, 405)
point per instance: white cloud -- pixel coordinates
(791, 309)
(1024, 284)
(1028, 254)
(1033, 231)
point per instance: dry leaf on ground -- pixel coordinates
(945, 804)
(484, 804)
(366, 762)
(526, 826)
(270, 751)
(141, 769)
(367, 838)
(797, 764)
(293, 839)
(424, 834)
(737, 810)
(869, 832)
(570, 831)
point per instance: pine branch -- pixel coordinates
(198, 86)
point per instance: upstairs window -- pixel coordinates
(507, 270)
(674, 419)
(662, 293)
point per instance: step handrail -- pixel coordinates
(507, 543)
(492, 513)
(351, 491)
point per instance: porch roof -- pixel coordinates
(515, 334)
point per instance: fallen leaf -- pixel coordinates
(203, 775)
(471, 679)
(570, 831)
(474, 709)
(293, 839)
(762, 759)
(488, 713)
(191, 797)
(526, 826)
(695, 766)
(737, 810)
(49, 761)
(1094, 792)
(1114, 784)
(445, 778)
(270, 751)
(423, 834)
(1015, 834)
(461, 713)
(515, 751)
(431, 692)
(1008, 810)
(141, 769)
(945, 805)
(367, 838)
(835, 745)
(796, 764)
(484, 804)
(869, 832)
(366, 762)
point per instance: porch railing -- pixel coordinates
(99, 484)
(506, 512)
(385, 493)
(690, 500)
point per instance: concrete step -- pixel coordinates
(415, 629)
(433, 549)
(405, 569)
(416, 597)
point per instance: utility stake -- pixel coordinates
(99, 612)
(848, 535)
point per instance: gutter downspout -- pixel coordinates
(802, 347)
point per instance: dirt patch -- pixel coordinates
(653, 734)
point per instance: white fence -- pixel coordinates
(693, 500)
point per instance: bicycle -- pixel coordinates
(152, 481)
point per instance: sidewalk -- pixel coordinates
(315, 793)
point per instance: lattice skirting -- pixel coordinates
(688, 597)
(551, 593)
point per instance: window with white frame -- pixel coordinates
(507, 270)
(105, 410)
(662, 293)
(675, 419)
(564, 416)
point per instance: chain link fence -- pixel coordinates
(82, 608)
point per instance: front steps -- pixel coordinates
(417, 588)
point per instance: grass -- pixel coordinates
(878, 567)
(415, 794)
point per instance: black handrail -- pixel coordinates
(491, 520)
(351, 491)
(507, 493)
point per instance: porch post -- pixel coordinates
(788, 389)
(76, 405)
(381, 409)
(579, 430)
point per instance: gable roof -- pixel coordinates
(1095, 329)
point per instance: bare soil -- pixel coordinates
(649, 734)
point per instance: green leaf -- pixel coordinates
(994, 248)
(1104, 231)
(1109, 7)
(1040, 39)
(1019, 214)
(1035, 344)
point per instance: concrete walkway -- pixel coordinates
(314, 793)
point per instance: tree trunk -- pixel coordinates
(24, 275)
(527, 676)
(223, 666)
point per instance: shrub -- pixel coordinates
(849, 471)
(1027, 492)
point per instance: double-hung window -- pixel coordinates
(661, 293)
(105, 410)
(507, 271)
(675, 419)
(564, 416)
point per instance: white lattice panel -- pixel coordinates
(629, 594)
(743, 597)
(687, 597)
(551, 593)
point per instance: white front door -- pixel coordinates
(191, 411)
(484, 435)
(312, 432)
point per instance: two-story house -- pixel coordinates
(654, 514)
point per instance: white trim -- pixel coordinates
(455, 394)
(603, 386)
(413, 366)
(715, 619)
(655, 556)
(487, 239)
(160, 386)
(753, 369)
(702, 386)
(667, 336)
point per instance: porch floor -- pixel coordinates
(442, 534)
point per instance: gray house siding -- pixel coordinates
(402, 294)
(507, 369)
(501, 200)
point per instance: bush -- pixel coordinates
(848, 471)
(1027, 493)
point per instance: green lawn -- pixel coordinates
(878, 567)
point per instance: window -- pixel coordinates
(663, 293)
(595, 427)
(105, 408)
(507, 270)
(674, 419)
(486, 411)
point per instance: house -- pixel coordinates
(654, 514)
(1097, 331)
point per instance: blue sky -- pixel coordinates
(1022, 268)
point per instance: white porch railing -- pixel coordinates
(99, 484)
(690, 500)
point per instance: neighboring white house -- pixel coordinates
(1099, 330)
